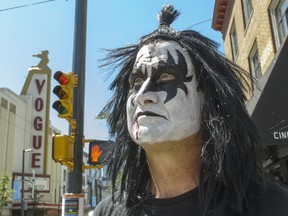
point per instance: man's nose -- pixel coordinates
(147, 94)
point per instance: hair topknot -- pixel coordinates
(167, 15)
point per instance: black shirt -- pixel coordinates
(275, 203)
(184, 205)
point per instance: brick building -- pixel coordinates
(254, 35)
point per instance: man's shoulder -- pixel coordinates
(111, 206)
(277, 192)
(275, 201)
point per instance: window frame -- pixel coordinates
(4, 103)
(255, 64)
(279, 26)
(247, 8)
(12, 108)
(234, 41)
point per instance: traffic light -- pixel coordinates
(99, 152)
(64, 91)
(63, 150)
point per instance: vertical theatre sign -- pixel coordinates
(37, 86)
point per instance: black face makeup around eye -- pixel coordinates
(178, 70)
(137, 75)
(137, 78)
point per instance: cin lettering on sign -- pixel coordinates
(38, 124)
(280, 135)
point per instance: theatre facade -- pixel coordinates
(26, 144)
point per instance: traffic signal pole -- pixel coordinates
(79, 60)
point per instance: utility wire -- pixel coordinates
(42, 2)
(26, 5)
(204, 21)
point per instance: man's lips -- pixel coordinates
(148, 113)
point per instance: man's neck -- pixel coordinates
(174, 166)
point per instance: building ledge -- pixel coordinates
(219, 14)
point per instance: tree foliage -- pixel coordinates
(5, 192)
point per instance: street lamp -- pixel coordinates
(22, 191)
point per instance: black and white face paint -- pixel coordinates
(163, 103)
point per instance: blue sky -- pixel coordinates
(110, 23)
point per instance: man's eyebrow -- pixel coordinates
(138, 69)
(161, 66)
(137, 72)
(165, 65)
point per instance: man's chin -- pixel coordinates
(150, 138)
(142, 140)
(155, 137)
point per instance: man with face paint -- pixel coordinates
(185, 144)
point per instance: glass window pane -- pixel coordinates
(281, 20)
(247, 10)
(234, 42)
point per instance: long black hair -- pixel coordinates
(230, 147)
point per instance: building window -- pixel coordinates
(64, 189)
(279, 19)
(64, 175)
(254, 62)
(234, 42)
(247, 10)
(4, 103)
(12, 108)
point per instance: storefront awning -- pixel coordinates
(269, 105)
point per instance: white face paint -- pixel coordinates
(164, 104)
